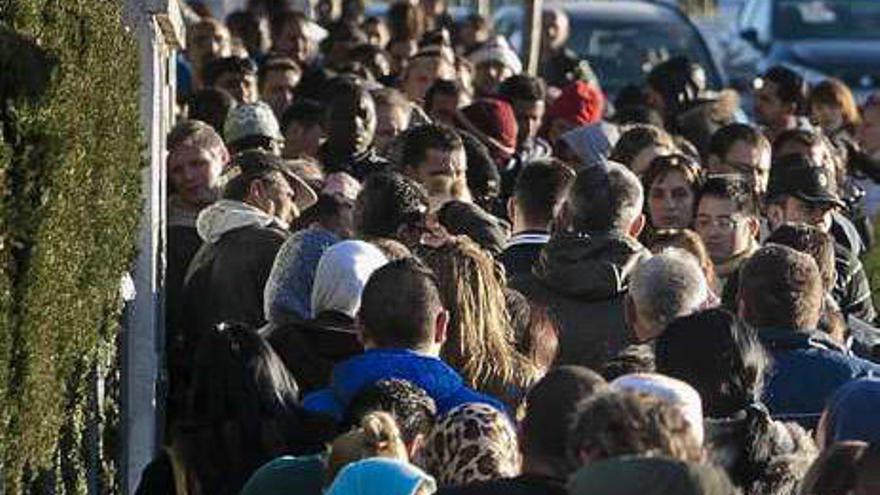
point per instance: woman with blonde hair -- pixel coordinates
(480, 339)
(376, 436)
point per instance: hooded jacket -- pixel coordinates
(807, 368)
(582, 280)
(227, 275)
(438, 379)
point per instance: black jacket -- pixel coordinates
(582, 279)
(310, 349)
(359, 166)
(227, 276)
(851, 289)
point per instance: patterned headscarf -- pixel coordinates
(473, 442)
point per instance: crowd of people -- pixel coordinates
(398, 265)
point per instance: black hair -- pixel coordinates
(723, 139)
(254, 165)
(638, 114)
(675, 81)
(307, 113)
(387, 202)
(243, 410)
(523, 87)
(736, 189)
(418, 140)
(279, 63)
(219, 66)
(719, 355)
(413, 409)
(540, 186)
(210, 105)
(399, 304)
(483, 177)
(550, 409)
(790, 86)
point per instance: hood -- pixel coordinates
(591, 267)
(431, 374)
(227, 215)
(592, 143)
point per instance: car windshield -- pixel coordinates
(804, 19)
(621, 54)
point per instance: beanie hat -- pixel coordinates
(494, 122)
(497, 50)
(251, 120)
(579, 104)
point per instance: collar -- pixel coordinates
(529, 237)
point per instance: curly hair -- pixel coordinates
(615, 423)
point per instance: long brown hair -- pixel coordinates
(480, 340)
(836, 93)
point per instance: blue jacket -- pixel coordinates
(808, 367)
(437, 378)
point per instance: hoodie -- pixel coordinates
(438, 379)
(582, 279)
(226, 277)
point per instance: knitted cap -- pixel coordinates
(579, 103)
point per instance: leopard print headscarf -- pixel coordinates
(473, 442)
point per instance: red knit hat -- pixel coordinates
(579, 104)
(493, 119)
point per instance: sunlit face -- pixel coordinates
(279, 88)
(421, 74)
(671, 202)
(725, 232)
(747, 160)
(529, 115)
(390, 122)
(769, 109)
(868, 133)
(829, 117)
(302, 141)
(281, 197)
(794, 210)
(194, 173)
(242, 87)
(294, 42)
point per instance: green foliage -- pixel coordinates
(70, 161)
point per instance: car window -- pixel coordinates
(804, 19)
(623, 53)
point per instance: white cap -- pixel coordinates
(497, 49)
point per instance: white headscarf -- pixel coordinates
(342, 274)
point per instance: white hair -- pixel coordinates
(666, 286)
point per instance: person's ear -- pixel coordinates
(637, 225)
(511, 210)
(413, 449)
(256, 192)
(441, 323)
(754, 226)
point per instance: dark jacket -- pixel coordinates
(358, 166)
(227, 276)
(437, 378)
(525, 484)
(807, 368)
(851, 289)
(560, 68)
(310, 349)
(582, 280)
(759, 454)
(522, 252)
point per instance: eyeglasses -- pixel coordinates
(726, 225)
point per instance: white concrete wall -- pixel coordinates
(159, 32)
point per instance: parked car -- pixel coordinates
(623, 39)
(818, 38)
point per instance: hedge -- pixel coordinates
(70, 164)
